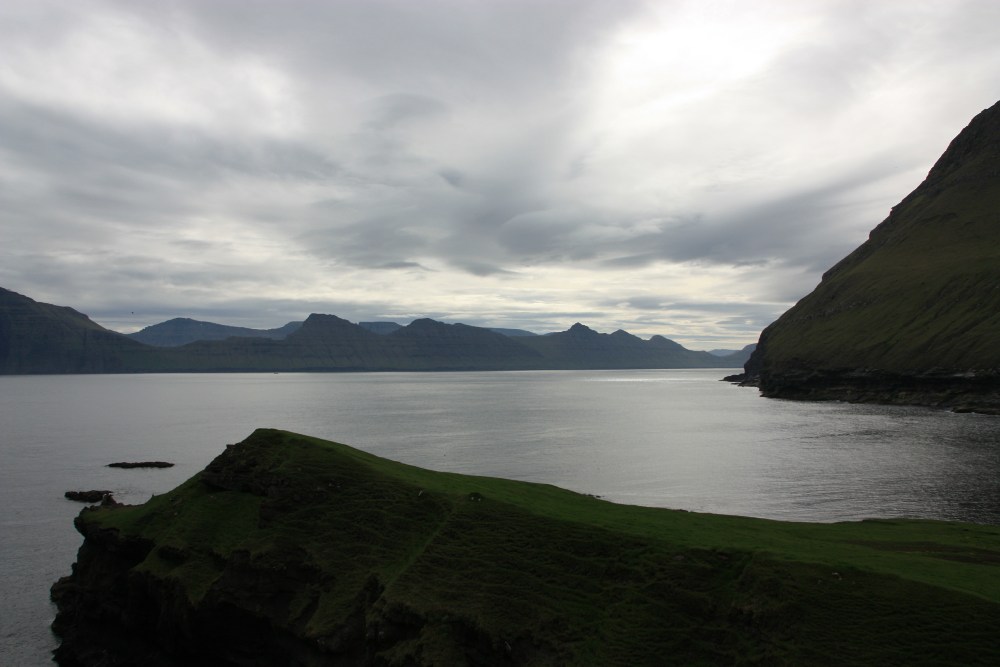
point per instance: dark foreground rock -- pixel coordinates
(141, 464)
(94, 496)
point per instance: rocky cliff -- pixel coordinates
(287, 550)
(912, 315)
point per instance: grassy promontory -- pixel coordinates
(912, 316)
(289, 550)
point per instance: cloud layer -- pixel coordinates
(681, 168)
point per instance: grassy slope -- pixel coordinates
(581, 580)
(923, 292)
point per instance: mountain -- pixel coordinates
(581, 347)
(322, 343)
(289, 550)
(182, 330)
(42, 338)
(380, 327)
(736, 357)
(438, 346)
(512, 332)
(912, 315)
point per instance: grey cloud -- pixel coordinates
(402, 265)
(393, 110)
(453, 177)
(467, 137)
(407, 46)
(801, 229)
(376, 241)
(480, 268)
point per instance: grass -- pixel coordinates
(457, 568)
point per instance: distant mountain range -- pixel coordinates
(42, 338)
(912, 315)
(183, 330)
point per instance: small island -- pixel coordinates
(141, 464)
(93, 496)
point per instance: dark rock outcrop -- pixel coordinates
(141, 464)
(94, 496)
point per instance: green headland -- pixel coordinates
(289, 550)
(912, 315)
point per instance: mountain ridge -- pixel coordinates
(183, 330)
(41, 338)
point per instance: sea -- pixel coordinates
(678, 439)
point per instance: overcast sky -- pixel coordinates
(679, 168)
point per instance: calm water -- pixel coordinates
(678, 439)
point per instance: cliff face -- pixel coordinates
(912, 315)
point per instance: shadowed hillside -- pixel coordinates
(41, 338)
(288, 550)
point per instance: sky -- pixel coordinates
(688, 169)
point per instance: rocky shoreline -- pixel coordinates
(959, 392)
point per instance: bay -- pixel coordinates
(676, 438)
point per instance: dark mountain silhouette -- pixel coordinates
(912, 315)
(582, 347)
(746, 349)
(512, 332)
(183, 330)
(433, 344)
(380, 327)
(40, 338)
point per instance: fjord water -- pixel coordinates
(676, 438)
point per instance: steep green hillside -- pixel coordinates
(914, 306)
(289, 550)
